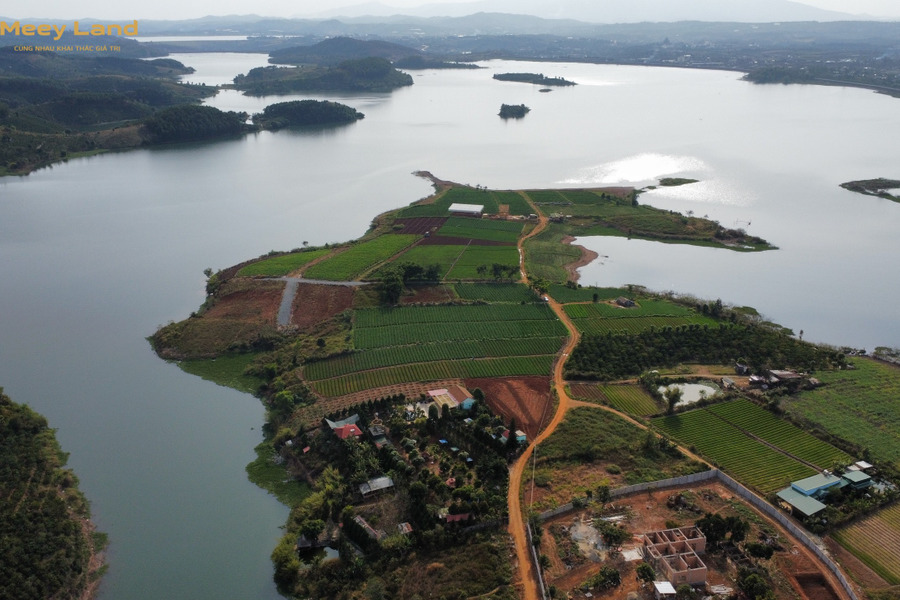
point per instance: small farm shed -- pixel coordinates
(466, 210)
(800, 503)
(663, 589)
(857, 479)
(373, 486)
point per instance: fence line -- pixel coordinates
(763, 505)
(535, 562)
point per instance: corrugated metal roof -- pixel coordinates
(808, 506)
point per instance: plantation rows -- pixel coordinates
(631, 399)
(379, 317)
(859, 405)
(744, 458)
(466, 266)
(399, 355)
(413, 333)
(765, 425)
(491, 201)
(482, 229)
(565, 294)
(489, 367)
(278, 266)
(876, 541)
(495, 292)
(647, 308)
(360, 257)
(637, 324)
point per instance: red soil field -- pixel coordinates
(315, 303)
(257, 304)
(420, 225)
(526, 399)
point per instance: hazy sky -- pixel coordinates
(179, 9)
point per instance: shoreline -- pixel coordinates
(586, 258)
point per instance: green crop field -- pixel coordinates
(744, 458)
(488, 367)
(631, 399)
(495, 292)
(466, 266)
(448, 331)
(381, 317)
(432, 255)
(482, 229)
(646, 308)
(419, 353)
(278, 266)
(636, 325)
(546, 255)
(763, 424)
(359, 258)
(565, 294)
(875, 540)
(858, 405)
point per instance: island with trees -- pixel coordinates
(49, 546)
(372, 74)
(888, 189)
(535, 78)
(513, 111)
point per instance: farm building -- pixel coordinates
(351, 420)
(674, 553)
(625, 302)
(374, 486)
(466, 210)
(817, 484)
(857, 479)
(798, 503)
(442, 398)
(521, 437)
(462, 396)
(405, 528)
(345, 431)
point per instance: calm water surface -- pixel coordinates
(99, 251)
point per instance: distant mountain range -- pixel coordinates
(610, 11)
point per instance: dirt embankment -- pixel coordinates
(587, 257)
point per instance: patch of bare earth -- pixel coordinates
(428, 294)
(257, 302)
(860, 572)
(795, 572)
(587, 257)
(525, 399)
(316, 303)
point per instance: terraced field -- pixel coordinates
(744, 458)
(876, 541)
(763, 424)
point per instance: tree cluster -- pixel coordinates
(305, 112)
(615, 356)
(189, 123)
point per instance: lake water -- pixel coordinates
(99, 251)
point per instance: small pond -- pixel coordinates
(691, 392)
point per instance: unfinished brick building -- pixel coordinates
(673, 553)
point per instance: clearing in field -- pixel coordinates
(594, 447)
(463, 261)
(876, 542)
(858, 405)
(316, 303)
(525, 399)
(603, 317)
(566, 294)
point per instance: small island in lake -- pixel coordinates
(675, 181)
(880, 187)
(305, 112)
(371, 74)
(513, 111)
(535, 78)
